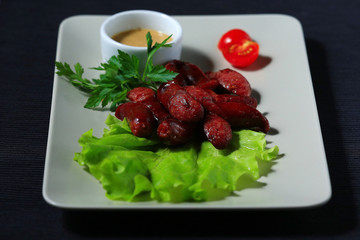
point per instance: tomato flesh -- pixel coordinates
(241, 54)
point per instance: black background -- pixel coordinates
(28, 37)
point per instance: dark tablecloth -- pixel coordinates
(28, 38)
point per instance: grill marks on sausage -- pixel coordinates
(217, 101)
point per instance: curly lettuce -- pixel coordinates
(137, 169)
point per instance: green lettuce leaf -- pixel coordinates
(133, 169)
(173, 173)
(219, 171)
(117, 160)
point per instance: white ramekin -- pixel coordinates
(133, 19)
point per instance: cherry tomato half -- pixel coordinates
(231, 37)
(241, 54)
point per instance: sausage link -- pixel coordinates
(252, 102)
(188, 73)
(198, 93)
(218, 131)
(147, 97)
(208, 84)
(166, 91)
(174, 132)
(140, 93)
(140, 119)
(194, 74)
(232, 81)
(204, 97)
(179, 103)
(185, 108)
(211, 93)
(218, 98)
(243, 116)
(176, 66)
(157, 109)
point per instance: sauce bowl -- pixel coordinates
(133, 19)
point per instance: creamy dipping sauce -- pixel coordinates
(137, 37)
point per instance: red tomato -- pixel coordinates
(241, 54)
(231, 37)
(238, 48)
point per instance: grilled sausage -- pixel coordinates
(217, 130)
(232, 81)
(185, 108)
(204, 97)
(147, 96)
(140, 93)
(157, 109)
(241, 115)
(218, 98)
(252, 102)
(179, 103)
(174, 132)
(166, 91)
(188, 73)
(140, 119)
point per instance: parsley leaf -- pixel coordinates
(119, 75)
(75, 78)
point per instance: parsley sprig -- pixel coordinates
(120, 75)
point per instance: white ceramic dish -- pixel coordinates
(132, 19)
(299, 179)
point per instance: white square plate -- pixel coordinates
(299, 179)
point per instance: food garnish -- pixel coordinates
(238, 48)
(121, 74)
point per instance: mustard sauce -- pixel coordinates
(137, 37)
